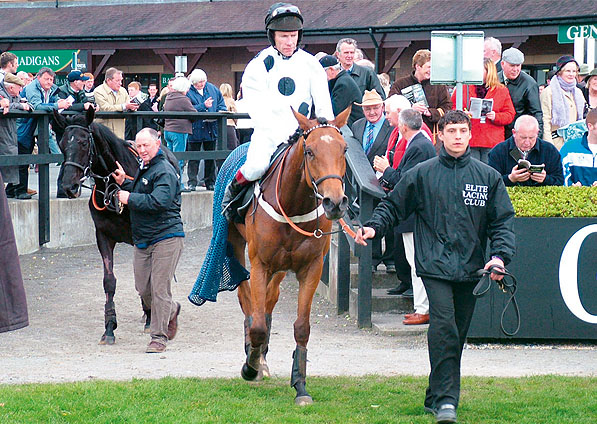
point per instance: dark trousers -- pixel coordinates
(14, 190)
(451, 306)
(402, 266)
(210, 165)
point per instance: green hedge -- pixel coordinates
(566, 202)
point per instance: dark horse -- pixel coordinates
(308, 177)
(91, 150)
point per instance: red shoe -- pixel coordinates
(408, 315)
(416, 319)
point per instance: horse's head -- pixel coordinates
(76, 145)
(324, 149)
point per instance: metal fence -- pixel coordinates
(44, 158)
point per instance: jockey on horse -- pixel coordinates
(279, 78)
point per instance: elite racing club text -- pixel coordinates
(474, 195)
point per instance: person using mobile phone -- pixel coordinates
(524, 159)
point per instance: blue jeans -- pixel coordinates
(176, 142)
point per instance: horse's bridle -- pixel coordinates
(110, 192)
(318, 233)
(86, 169)
(315, 182)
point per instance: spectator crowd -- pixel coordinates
(561, 111)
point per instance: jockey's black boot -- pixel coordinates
(233, 192)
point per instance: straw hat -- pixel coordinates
(370, 98)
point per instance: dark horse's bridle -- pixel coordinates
(318, 233)
(111, 201)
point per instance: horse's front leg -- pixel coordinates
(308, 278)
(258, 327)
(106, 249)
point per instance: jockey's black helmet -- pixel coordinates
(283, 17)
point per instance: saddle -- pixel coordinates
(240, 205)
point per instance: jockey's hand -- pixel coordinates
(498, 263)
(123, 196)
(119, 175)
(364, 234)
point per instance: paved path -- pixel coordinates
(66, 301)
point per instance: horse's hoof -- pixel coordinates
(303, 400)
(107, 340)
(248, 373)
(146, 329)
(263, 370)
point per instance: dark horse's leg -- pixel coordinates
(308, 277)
(106, 248)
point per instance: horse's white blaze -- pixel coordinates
(327, 138)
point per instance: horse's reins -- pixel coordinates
(317, 233)
(507, 287)
(109, 193)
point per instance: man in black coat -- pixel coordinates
(343, 90)
(525, 144)
(154, 202)
(523, 89)
(462, 212)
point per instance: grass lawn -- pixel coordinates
(372, 399)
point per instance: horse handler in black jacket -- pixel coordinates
(153, 198)
(460, 204)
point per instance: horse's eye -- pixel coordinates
(309, 153)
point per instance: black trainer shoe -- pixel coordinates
(446, 414)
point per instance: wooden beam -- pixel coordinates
(399, 50)
(107, 54)
(167, 62)
(194, 60)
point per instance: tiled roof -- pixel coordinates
(229, 18)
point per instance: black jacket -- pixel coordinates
(524, 92)
(154, 202)
(459, 204)
(505, 155)
(65, 90)
(345, 92)
(366, 79)
(418, 150)
(380, 144)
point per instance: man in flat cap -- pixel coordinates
(523, 89)
(343, 90)
(10, 101)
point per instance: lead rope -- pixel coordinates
(508, 288)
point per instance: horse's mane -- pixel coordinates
(118, 146)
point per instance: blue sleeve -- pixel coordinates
(553, 168)
(34, 98)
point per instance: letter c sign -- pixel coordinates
(569, 274)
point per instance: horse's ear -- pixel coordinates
(90, 115)
(342, 117)
(302, 120)
(59, 120)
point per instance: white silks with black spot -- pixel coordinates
(271, 85)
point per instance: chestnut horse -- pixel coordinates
(307, 180)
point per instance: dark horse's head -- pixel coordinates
(76, 145)
(325, 164)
